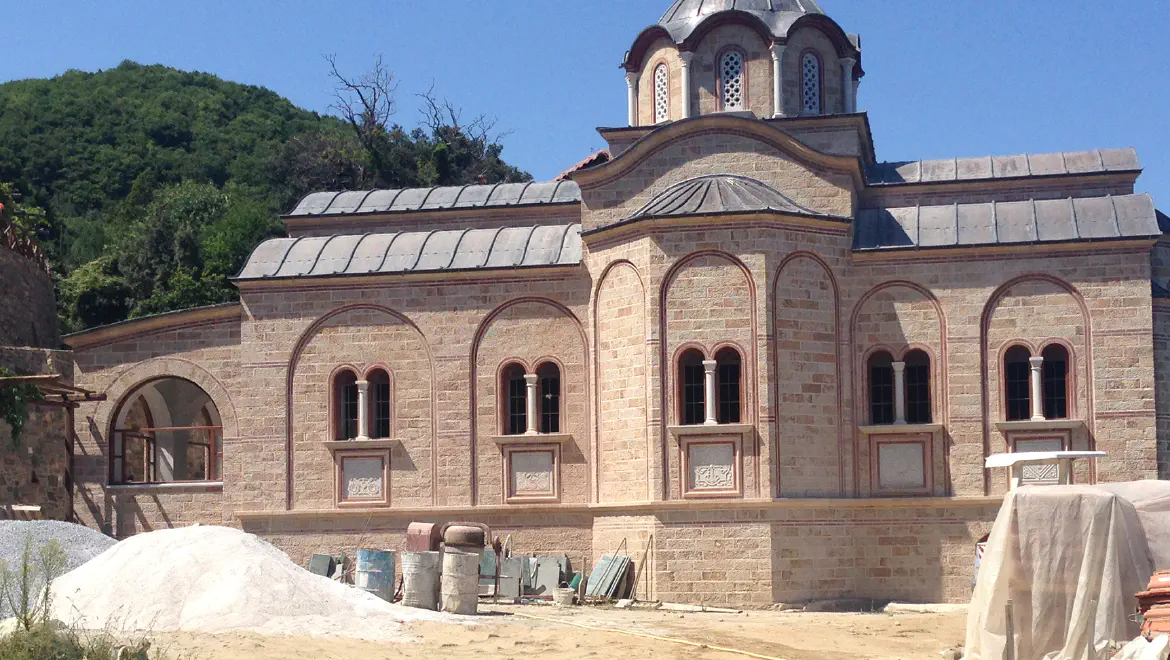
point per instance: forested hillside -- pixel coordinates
(148, 186)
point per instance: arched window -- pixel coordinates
(514, 393)
(1017, 390)
(731, 80)
(661, 94)
(345, 402)
(729, 383)
(881, 388)
(1055, 371)
(379, 404)
(549, 382)
(917, 388)
(166, 430)
(810, 75)
(692, 404)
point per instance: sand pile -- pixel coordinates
(217, 579)
(80, 544)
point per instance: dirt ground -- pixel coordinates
(510, 636)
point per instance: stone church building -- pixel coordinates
(769, 362)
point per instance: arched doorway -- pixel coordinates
(166, 430)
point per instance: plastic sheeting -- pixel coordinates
(1070, 558)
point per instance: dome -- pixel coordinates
(778, 15)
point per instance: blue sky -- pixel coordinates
(944, 78)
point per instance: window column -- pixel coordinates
(709, 391)
(899, 392)
(1037, 364)
(777, 80)
(530, 398)
(632, 96)
(363, 388)
(685, 79)
(847, 88)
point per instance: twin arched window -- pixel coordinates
(515, 391)
(350, 394)
(900, 392)
(1050, 370)
(725, 388)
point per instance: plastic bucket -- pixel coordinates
(564, 597)
(459, 586)
(420, 578)
(375, 573)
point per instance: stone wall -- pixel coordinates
(28, 309)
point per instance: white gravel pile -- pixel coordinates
(80, 544)
(217, 579)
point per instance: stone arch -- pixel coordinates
(1042, 302)
(899, 316)
(623, 457)
(531, 329)
(807, 393)
(688, 288)
(139, 374)
(417, 433)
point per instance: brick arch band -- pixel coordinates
(664, 391)
(984, 352)
(842, 442)
(303, 342)
(940, 372)
(480, 331)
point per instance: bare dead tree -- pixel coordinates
(440, 115)
(366, 104)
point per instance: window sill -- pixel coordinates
(1043, 425)
(169, 486)
(533, 439)
(884, 429)
(710, 429)
(334, 445)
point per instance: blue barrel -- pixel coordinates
(375, 573)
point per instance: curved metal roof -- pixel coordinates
(719, 193)
(779, 15)
(414, 252)
(432, 199)
(1005, 223)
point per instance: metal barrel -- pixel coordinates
(420, 577)
(459, 593)
(375, 573)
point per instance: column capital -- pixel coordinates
(686, 56)
(899, 367)
(709, 365)
(632, 78)
(363, 384)
(848, 62)
(1036, 362)
(531, 379)
(777, 50)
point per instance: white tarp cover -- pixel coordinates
(1070, 558)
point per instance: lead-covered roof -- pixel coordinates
(439, 198)
(1006, 223)
(714, 194)
(415, 252)
(1098, 161)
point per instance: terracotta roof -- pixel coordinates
(596, 158)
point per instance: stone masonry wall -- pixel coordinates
(705, 83)
(28, 308)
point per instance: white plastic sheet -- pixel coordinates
(1070, 558)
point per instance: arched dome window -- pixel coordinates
(731, 80)
(810, 74)
(661, 94)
